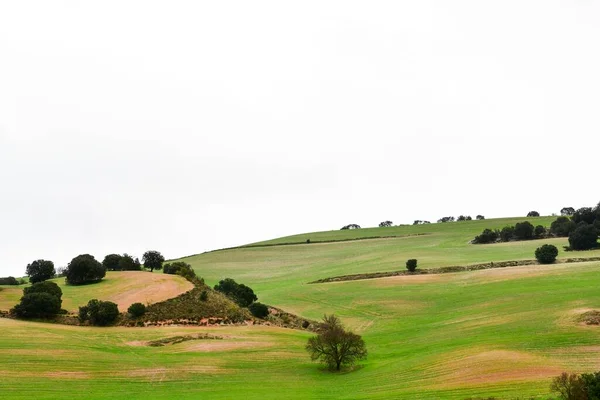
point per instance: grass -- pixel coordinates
(486, 333)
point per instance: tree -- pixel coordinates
(591, 383)
(153, 259)
(567, 211)
(546, 254)
(507, 233)
(584, 237)
(569, 387)
(238, 292)
(136, 310)
(127, 263)
(335, 346)
(487, 236)
(385, 224)
(40, 270)
(259, 310)
(351, 226)
(584, 214)
(99, 312)
(539, 231)
(480, 217)
(180, 268)
(411, 265)
(111, 262)
(523, 230)
(42, 299)
(533, 214)
(446, 219)
(84, 269)
(9, 280)
(562, 226)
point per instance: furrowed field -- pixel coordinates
(499, 332)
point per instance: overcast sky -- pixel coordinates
(189, 126)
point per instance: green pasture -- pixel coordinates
(501, 332)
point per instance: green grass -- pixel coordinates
(483, 333)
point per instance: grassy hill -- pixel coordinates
(502, 332)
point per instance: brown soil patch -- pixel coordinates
(46, 374)
(145, 288)
(494, 366)
(215, 346)
(407, 280)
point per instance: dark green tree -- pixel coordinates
(487, 236)
(153, 259)
(259, 310)
(238, 292)
(111, 262)
(136, 310)
(523, 230)
(100, 313)
(127, 263)
(584, 237)
(546, 254)
(584, 214)
(37, 305)
(567, 211)
(539, 231)
(507, 233)
(45, 287)
(562, 226)
(335, 346)
(411, 265)
(480, 217)
(40, 270)
(533, 214)
(84, 269)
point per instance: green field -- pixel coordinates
(501, 332)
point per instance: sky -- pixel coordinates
(187, 126)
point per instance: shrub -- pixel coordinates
(9, 280)
(487, 236)
(40, 270)
(84, 269)
(539, 231)
(411, 265)
(37, 304)
(546, 254)
(523, 230)
(584, 237)
(136, 310)
(45, 287)
(180, 268)
(240, 293)
(99, 312)
(111, 262)
(569, 387)
(507, 233)
(562, 227)
(204, 295)
(259, 310)
(533, 214)
(591, 382)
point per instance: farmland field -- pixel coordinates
(498, 332)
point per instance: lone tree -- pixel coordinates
(40, 270)
(584, 237)
(42, 299)
(523, 230)
(533, 214)
(336, 346)
(480, 217)
(153, 259)
(567, 211)
(385, 224)
(84, 269)
(546, 254)
(411, 265)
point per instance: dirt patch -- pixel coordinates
(175, 340)
(215, 346)
(408, 280)
(591, 317)
(46, 374)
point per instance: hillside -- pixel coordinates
(496, 332)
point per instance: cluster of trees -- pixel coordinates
(125, 262)
(581, 226)
(40, 300)
(335, 346)
(350, 226)
(520, 231)
(9, 280)
(385, 224)
(243, 295)
(99, 313)
(460, 218)
(180, 268)
(419, 222)
(577, 387)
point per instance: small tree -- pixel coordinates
(584, 214)
(111, 262)
(335, 346)
(480, 217)
(136, 310)
(487, 236)
(99, 312)
(533, 214)
(127, 263)
(238, 292)
(34, 305)
(411, 265)
(562, 226)
(546, 254)
(153, 259)
(569, 387)
(567, 211)
(523, 230)
(84, 269)
(40, 270)
(584, 237)
(45, 287)
(539, 231)
(259, 310)
(385, 224)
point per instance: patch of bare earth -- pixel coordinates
(46, 374)
(495, 366)
(214, 346)
(407, 280)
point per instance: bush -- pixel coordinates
(136, 310)
(411, 265)
(37, 304)
(127, 263)
(204, 295)
(111, 262)
(480, 217)
(100, 313)
(180, 268)
(562, 227)
(487, 236)
(9, 280)
(546, 254)
(569, 387)
(584, 237)
(523, 230)
(40, 270)
(45, 287)
(507, 233)
(259, 310)
(240, 293)
(539, 231)
(84, 269)
(533, 214)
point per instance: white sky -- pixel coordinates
(189, 126)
